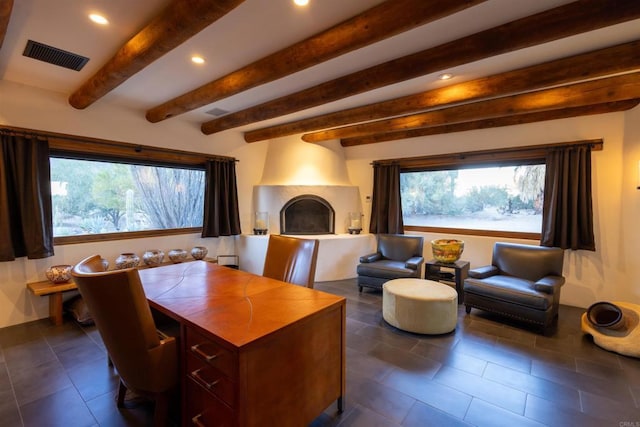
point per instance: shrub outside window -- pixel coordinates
(503, 198)
(95, 197)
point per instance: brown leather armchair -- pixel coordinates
(398, 256)
(291, 260)
(146, 362)
(523, 282)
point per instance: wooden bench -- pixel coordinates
(54, 291)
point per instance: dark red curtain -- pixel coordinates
(386, 206)
(221, 215)
(567, 215)
(26, 224)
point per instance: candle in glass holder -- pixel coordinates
(355, 222)
(261, 223)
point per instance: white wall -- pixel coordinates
(611, 273)
(628, 210)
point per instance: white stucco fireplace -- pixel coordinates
(295, 169)
(342, 198)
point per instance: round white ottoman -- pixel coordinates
(420, 306)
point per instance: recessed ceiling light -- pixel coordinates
(98, 19)
(301, 2)
(197, 59)
(445, 76)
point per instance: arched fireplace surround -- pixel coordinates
(307, 214)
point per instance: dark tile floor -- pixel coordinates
(485, 373)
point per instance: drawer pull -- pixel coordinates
(196, 374)
(208, 357)
(196, 420)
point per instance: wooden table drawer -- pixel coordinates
(204, 409)
(211, 379)
(211, 353)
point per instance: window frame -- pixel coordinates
(69, 146)
(526, 155)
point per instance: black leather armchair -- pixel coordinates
(523, 282)
(398, 256)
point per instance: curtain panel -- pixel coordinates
(26, 224)
(221, 214)
(386, 205)
(567, 215)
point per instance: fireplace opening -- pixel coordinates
(307, 214)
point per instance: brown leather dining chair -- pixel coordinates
(291, 260)
(146, 361)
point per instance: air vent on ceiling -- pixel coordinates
(54, 56)
(217, 112)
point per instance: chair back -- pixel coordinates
(120, 309)
(528, 261)
(400, 247)
(93, 264)
(291, 260)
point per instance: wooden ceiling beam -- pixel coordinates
(178, 22)
(5, 15)
(608, 107)
(618, 88)
(563, 21)
(600, 63)
(382, 21)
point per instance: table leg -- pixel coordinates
(461, 274)
(55, 308)
(459, 281)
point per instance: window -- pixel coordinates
(110, 190)
(505, 198)
(97, 196)
(496, 193)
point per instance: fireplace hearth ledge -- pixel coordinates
(338, 254)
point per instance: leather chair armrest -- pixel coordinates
(371, 257)
(483, 272)
(414, 263)
(548, 284)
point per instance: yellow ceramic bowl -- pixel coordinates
(447, 250)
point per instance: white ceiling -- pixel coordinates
(251, 31)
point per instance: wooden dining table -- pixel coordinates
(253, 350)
